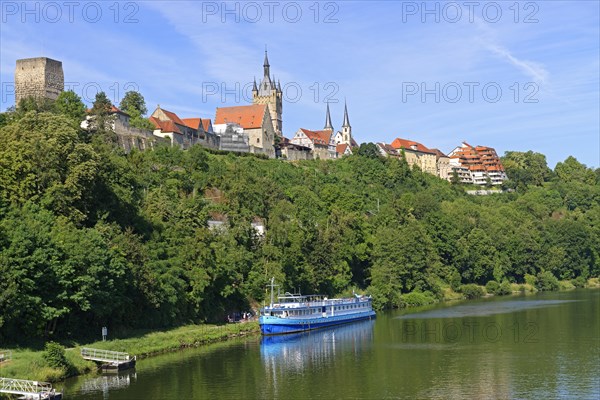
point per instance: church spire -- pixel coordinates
(328, 120)
(254, 87)
(266, 64)
(346, 120)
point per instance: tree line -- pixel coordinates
(91, 236)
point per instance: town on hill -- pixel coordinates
(258, 128)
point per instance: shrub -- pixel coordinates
(504, 289)
(54, 355)
(546, 281)
(415, 299)
(530, 279)
(579, 282)
(492, 287)
(471, 291)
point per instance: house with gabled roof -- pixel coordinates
(386, 150)
(206, 135)
(416, 154)
(256, 121)
(167, 124)
(321, 142)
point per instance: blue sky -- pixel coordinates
(514, 76)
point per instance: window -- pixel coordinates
(257, 140)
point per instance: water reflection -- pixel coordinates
(297, 352)
(484, 309)
(107, 382)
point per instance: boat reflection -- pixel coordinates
(295, 352)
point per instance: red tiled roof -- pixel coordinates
(341, 148)
(165, 126)
(193, 123)
(318, 137)
(438, 153)
(248, 117)
(399, 143)
(173, 117)
(205, 123)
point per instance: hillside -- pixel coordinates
(90, 236)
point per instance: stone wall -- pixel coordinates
(39, 77)
(130, 138)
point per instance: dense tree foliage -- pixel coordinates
(90, 236)
(133, 103)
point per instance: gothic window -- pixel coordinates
(257, 140)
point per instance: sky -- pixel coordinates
(510, 75)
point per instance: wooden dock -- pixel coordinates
(109, 361)
(29, 389)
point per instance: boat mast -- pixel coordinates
(272, 285)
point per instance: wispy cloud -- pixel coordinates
(534, 70)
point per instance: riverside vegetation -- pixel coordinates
(92, 237)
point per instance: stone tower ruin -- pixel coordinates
(39, 77)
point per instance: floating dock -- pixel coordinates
(29, 389)
(109, 361)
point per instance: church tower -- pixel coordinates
(346, 128)
(328, 125)
(269, 92)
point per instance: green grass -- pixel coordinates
(30, 364)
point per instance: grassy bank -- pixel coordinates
(31, 364)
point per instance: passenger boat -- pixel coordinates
(296, 313)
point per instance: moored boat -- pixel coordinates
(296, 313)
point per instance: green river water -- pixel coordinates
(543, 346)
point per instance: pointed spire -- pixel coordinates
(254, 87)
(266, 63)
(279, 86)
(273, 83)
(328, 120)
(346, 120)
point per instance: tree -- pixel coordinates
(368, 150)
(403, 261)
(455, 179)
(133, 103)
(572, 170)
(69, 104)
(526, 168)
(102, 105)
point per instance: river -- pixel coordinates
(543, 346)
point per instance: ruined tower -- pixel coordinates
(39, 77)
(270, 93)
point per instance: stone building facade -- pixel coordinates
(39, 77)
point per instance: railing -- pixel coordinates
(23, 387)
(104, 355)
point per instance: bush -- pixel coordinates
(546, 282)
(471, 291)
(530, 279)
(415, 299)
(579, 282)
(492, 287)
(54, 355)
(504, 289)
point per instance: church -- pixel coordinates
(325, 144)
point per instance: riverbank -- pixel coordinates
(31, 364)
